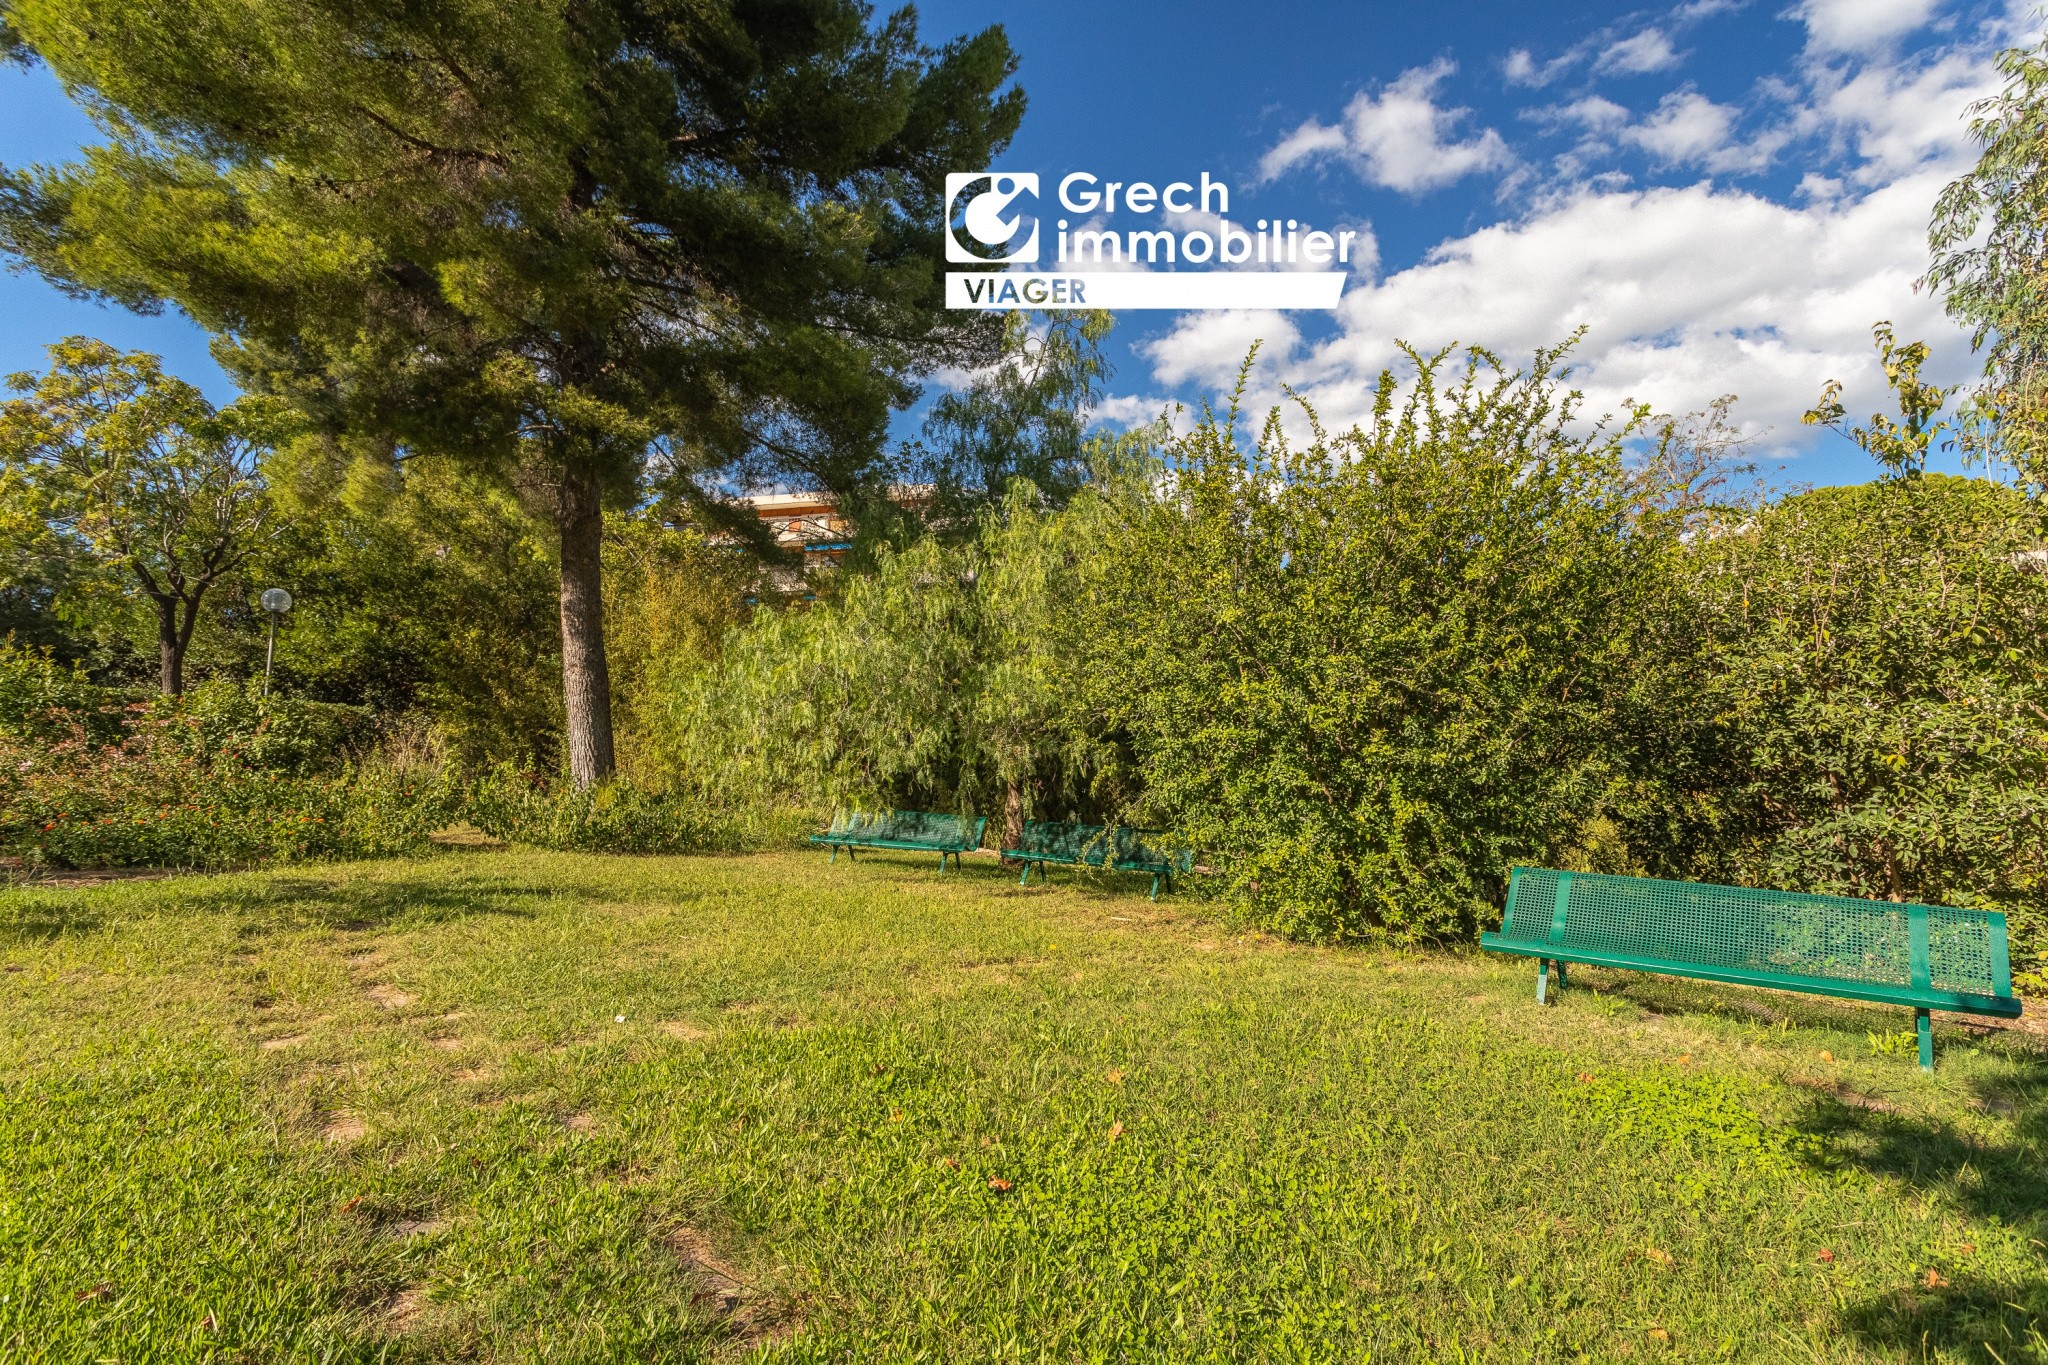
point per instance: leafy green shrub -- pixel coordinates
(275, 734)
(43, 700)
(933, 683)
(525, 807)
(1366, 676)
(211, 781)
(1856, 702)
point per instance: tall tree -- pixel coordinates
(1990, 243)
(557, 239)
(1024, 417)
(125, 467)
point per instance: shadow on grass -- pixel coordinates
(2003, 1178)
(1109, 884)
(261, 905)
(1973, 1319)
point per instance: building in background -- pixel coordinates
(807, 521)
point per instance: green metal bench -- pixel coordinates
(1927, 957)
(1114, 846)
(921, 831)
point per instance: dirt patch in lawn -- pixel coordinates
(390, 997)
(746, 1312)
(402, 1311)
(342, 1129)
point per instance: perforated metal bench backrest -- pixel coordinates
(909, 827)
(1069, 842)
(1832, 938)
(1150, 857)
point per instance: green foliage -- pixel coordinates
(936, 682)
(425, 588)
(1990, 242)
(670, 597)
(1901, 445)
(1855, 701)
(1365, 675)
(1025, 417)
(216, 778)
(568, 245)
(110, 463)
(617, 816)
(42, 701)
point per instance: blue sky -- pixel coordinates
(1725, 194)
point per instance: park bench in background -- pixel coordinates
(1927, 957)
(1114, 846)
(949, 836)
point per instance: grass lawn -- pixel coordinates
(499, 1106)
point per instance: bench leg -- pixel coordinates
(1542, 980)
(1025, 880)
(835, 853)
(1155, 886)
(1925, 1024)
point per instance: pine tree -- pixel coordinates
(578, 244)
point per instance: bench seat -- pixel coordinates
(1924, 957)
(1121, 847)
(914, 831)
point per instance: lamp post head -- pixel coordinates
(276, 599)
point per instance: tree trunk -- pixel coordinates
(1013, 815)
(170, 650)
(586, 680)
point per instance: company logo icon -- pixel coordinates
(985, 223)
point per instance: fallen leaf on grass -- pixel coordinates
(1659, 1256)
(998, 1184)
(349, 1207)
(950, 1163)
(14, 967)
(209, 1323)
(1583, 1077)
(1827, 1056)
(1659, 1334)
(1935, 1280)
(1115, 1078)
(895, 1116)
(98, 1291)
(1116, 1130)
(1685, 1059)
(1826, 1256)
(1967, 1248)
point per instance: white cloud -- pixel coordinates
(1399, 138)
(1643, 52)
(1521, 67)
(1207, 348)
(1686, 294)
(1891, 118)
(1594, 114)
(1687, 129)
(1862, 25)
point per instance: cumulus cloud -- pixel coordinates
(1862, 25)
(1638, 54)
(1686, 294)
(1687, 291)
(1399, 138)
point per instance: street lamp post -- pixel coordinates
(277, 602)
